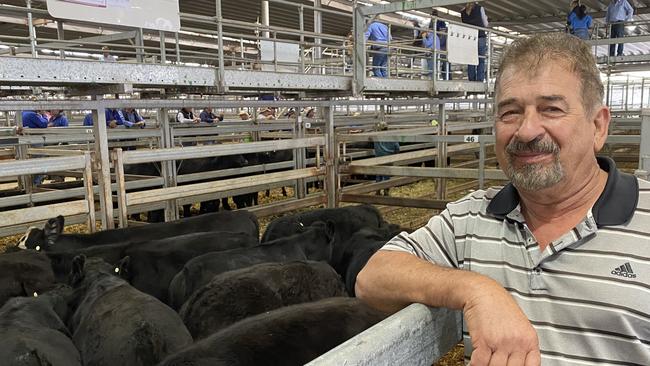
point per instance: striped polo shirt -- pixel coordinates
(587, 294)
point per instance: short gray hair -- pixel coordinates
(534, 52)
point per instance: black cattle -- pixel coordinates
(316, 243)
(51, 237)
(293, 335)
(235, 295)
(33, 331)
(348, 220)
(115, 324)
(24, 273)
(268, 157)
(151, 266)
(191, 166)
(352, 255)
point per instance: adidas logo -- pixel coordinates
(624, 271)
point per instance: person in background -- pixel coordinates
(185, 115)
(106, 56)
(581, 23)
(35, 119)
(266, 115)
(209, 117)
(132, 118)
(114, 118)
(291, 113)
(430, 41)
(243, 115)
(441, 32)
(474, 14)
(311, 113)
(575, 4)
(58, 118)
(384, 148)
(618, 11)
(378, 33)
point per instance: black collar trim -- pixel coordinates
(615, 206)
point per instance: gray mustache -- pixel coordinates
(535, 146)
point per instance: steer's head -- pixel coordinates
(42, 239)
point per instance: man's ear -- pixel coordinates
(601, 119)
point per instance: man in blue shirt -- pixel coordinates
(58, 118)
(618, 11)
(429, 41)
(209, 117)
(378, 32)
(34, 119)
(132, 118)
(113, 116)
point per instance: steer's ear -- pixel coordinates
(77, 271)
(53, 229)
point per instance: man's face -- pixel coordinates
(544, 136)
(209, 110)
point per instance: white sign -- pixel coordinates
(148, 14)
(281, 52)
(470, 138)
(462, 45)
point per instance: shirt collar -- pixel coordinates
(615, 206)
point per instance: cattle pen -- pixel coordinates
(301, 112)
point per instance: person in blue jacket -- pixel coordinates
(429, 41)
(114, 118)
(34, 119)
(378, 32)
(580, 23)
(132, 118)
(58, 118)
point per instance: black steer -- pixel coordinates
(293, 335)
(115, 324)
(33, 331)
(235, 295)
(348, 220)
(350, 257)
(51, 237)
(24, 273)
(316, 243)
(152, 265)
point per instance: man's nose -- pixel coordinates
(531, 127)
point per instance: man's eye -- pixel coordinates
(552, 110)
(507, 114)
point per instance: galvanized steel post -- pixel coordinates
(32, 30)
(102, 164)
(644, 148)
(168, 170)
(221, 66)
(331, 158)
(163, 49)
(442, 150)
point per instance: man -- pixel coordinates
(35, 119)
(430, 41)
(208, 117)
(266, 115)
(474, 14)
(378, 33)
(243, 115)
(384, 148)
(58, 118)
(186, 115)
(106, 56)
(618, 11)
(132, 118)
(113, 116)
(553, 268)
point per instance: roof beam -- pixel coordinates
(406, 6)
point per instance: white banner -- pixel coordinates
(148, 14)
(462, 45)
